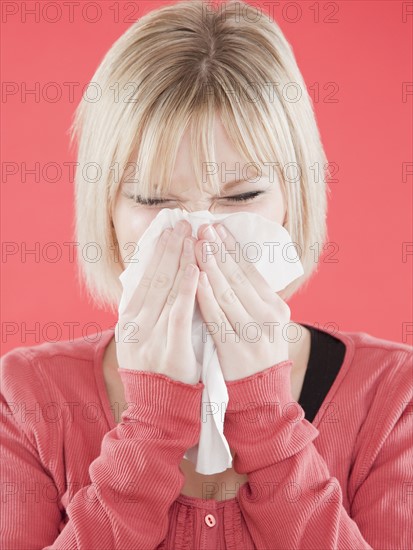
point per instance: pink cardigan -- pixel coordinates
(73, 478)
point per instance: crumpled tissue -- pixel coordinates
(265, 243)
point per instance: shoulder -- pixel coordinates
(375, 378)
(34, 376)
(377, 357)
(370, 341)
(370, 357)
(76, 348)
(378, 378)
(377, 403)
(43, 387)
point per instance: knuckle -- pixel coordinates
(178, 317)
(228, 296)
(249, 268)
(161, 280)
(282, 308)
(185, 291)
(221, 317)
(146, 282)
(174, 323)
(181, 271)
(171, 297)
(128, 329)
(237, 277)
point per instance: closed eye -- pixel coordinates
(153, 202)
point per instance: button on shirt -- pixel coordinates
(210, 520)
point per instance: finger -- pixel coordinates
(179, 339)
(165, 274)
(187, 257)
(139, 294)
(242, 274)
(216, 322)
(224, 294)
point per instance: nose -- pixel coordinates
(196, 206)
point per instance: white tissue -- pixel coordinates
(265, 243)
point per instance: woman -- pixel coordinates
(94, 434)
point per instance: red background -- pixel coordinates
(367, 54)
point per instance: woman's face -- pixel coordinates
(131, 219)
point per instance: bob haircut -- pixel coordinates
(176, 67)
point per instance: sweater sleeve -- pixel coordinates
(291, 500)
(134, 480)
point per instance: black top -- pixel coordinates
(326, 357)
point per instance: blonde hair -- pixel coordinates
(178, 66)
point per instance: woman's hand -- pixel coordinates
(238, 299)
(156, 336)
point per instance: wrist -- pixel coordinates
(267, 386)
(168, 408)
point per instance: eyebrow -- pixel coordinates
(228, 186)
(234, 183)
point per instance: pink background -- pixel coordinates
(367, 132)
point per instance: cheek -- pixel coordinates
(273, 211)
(130, 224)
(273, 207)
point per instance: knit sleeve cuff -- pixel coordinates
(170, 409)
(260, 388)
(263, 422)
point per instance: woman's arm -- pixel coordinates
(134, 480)
(291, 499)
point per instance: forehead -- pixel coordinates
(229, 164)
(210, 163)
